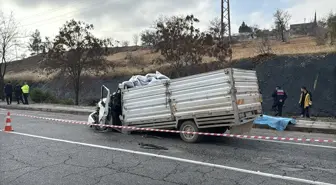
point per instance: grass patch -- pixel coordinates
(31, 76)
(40, 96)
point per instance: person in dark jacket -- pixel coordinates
(279, 96)
(9, 93)
(18, 93)
(274, 105)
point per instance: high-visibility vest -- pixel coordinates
(25, 89)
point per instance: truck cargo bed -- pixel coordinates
(220, 98)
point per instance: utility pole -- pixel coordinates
(226, 25)
(225, 20)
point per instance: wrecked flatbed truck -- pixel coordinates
(208, 102)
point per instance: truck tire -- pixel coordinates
(190, 126)
(98, 128)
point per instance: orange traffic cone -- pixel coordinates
(8, 126)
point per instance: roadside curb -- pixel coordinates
(304, 128)
(55, 110)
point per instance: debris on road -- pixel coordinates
(151, 136)
(151, 146)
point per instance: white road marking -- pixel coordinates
(180, 160)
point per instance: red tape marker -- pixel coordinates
(177, 131)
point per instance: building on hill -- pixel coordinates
(243, 36)
(304, 28)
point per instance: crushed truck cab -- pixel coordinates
(208, 102)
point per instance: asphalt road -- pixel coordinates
(44, 152)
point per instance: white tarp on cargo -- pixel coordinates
(139, 80)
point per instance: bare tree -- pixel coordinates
(125, 43)
(321, 33)
(281, 20)
(264, 45)
(135, 39)
(215, 28)
(331, 25)
(75, 49)
(256, 32)
(219, 48)
(23, 56)
(9, 35)
(326, 29)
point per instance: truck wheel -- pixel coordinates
(98, 128)
(190, 126)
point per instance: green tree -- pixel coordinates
(35, 43)
(46, 45)
(149, 38)
(181, 43)
(75, 50)
(244, 28)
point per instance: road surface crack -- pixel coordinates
(174, 171)
(41, 168)
(98, 179)
(13, 158)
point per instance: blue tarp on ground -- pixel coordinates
(278, 123)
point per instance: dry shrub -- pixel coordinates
(264, 46)
(321, 36)
(134, 60)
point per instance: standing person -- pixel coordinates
(25, 91)
(275, 102)
(260, 96)
(18, 93)
(9, 93)
(279, 96)
(305, 102)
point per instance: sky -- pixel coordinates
(121, 19)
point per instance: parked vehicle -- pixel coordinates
(208, 102)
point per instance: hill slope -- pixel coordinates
(142, 58)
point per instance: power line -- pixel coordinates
(59, 16)
(48, 11)
(91, 6)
